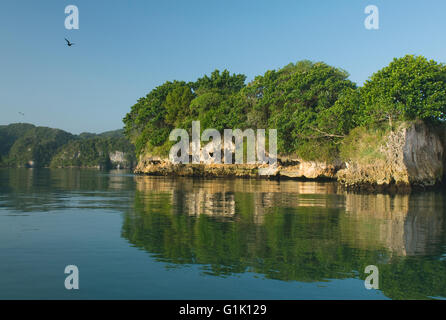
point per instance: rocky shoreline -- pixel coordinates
(412, 157)
(297, 169)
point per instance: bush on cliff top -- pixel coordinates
(409, 88)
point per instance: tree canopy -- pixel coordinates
(409, 88)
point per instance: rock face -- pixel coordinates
(442, 135)
(413, 155)
(166, 168)
(118, 160)
(286, 168)
(310, 169)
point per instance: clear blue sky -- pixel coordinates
(126, 48)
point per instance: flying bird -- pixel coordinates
(22, 113)
(68, 42)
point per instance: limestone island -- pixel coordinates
(388, 134)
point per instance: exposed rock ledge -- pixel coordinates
(289, 169)
(413, 155)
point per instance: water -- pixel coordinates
(137, 237)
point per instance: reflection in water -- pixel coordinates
(288, 230)
(405, 224)
(217, 197)
(26, 190)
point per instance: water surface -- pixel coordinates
(139, 237)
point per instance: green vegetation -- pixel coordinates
(108, 134)
(25, 145)
(363, 144)
(96, 151)
(313, 106)
(8, 136)
(35, 146)
(409, 88)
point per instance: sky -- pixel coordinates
(124, 49)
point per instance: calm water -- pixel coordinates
(135, 237)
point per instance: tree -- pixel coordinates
(224, 82)
(146, 124)
(344, 115)
(177, 105)
(409, 88)
(294, 100)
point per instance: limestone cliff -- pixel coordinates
(298, 168)
(120, 160)
(412, 155)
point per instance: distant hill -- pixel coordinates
(10, 133)
(37, 146)
(109, 134)
(23, 144)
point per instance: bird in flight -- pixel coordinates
(21, 113)
(68, 42)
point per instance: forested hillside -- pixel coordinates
(9, 134)
(25, 145)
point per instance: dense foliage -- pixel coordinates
(9, 134)
(298, 100)
(94, 152)
(313, 106)
(36, 147)
(24, 144)
(409, 88)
